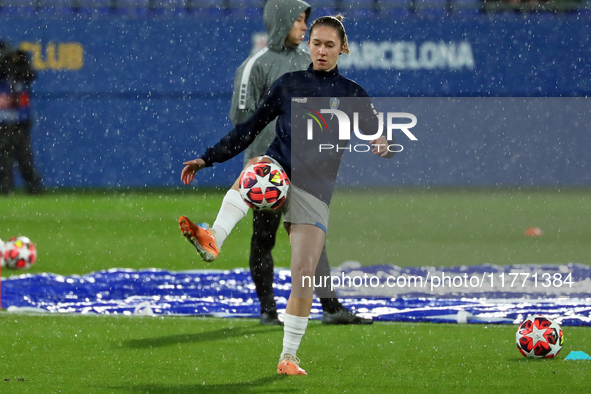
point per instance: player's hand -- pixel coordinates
(380, 147)
(191, 167)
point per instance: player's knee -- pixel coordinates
(302, 270)
(257, 159)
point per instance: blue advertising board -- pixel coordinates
(123, 102)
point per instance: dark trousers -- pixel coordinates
(15, 146)
(265, 225)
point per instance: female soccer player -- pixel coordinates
(306, 211)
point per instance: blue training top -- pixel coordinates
(318, 169)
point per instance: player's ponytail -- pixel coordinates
(336, 22)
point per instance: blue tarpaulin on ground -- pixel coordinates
(463, 294)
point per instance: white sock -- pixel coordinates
(294, 328)
(232, 210)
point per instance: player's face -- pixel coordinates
(298, 32)
(325, 47)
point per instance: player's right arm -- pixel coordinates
(243, 134)
(249, 90)
(191, 168)
(238, 139)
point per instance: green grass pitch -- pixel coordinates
(81, 232)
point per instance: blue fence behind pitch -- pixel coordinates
(150, 93)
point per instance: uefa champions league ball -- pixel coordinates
(1, 253)
(264, 186)
(539, 337)
(20, 253)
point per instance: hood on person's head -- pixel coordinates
(279, 17)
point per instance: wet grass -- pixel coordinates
(451, 227)
(80, 232)
(89, 354)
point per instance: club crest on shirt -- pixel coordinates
(334, 103)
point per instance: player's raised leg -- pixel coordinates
(202, 238)
(208, 241)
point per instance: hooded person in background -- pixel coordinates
(16, 76)
(285, 21)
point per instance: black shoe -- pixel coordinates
(344, 316)
(270, 319)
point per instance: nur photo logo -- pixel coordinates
(316, 121)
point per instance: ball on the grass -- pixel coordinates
(264, 186)
(539, 337)
(20, 253)
(1, 253)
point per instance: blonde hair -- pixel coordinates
(336, 22)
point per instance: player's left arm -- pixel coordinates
(369, 121)
(380, 147)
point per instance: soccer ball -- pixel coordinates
(19, 253)
(264, 186)
(539, 337)
(1, 253)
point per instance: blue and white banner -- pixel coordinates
(134, 98)
(478, 294)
